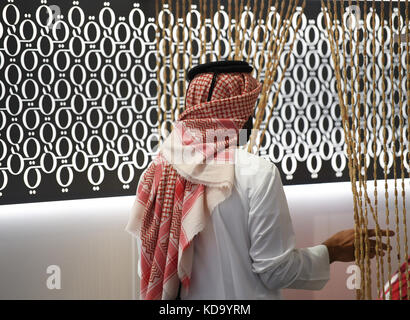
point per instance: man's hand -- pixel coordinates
(341, 245)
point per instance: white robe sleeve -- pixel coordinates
(274, 256)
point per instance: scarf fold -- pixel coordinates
(192, 173)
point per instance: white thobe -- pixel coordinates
(247, 249)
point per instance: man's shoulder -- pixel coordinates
(245, 159)
(253, 167)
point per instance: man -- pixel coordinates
(213, 217)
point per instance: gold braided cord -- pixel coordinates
(384, 142)
(397, 215)
(354, 146)
(183, 55)
(264, 41)
(275, 98)
(163, 68)
(364, 156)
(219, 29)
(406, 248)
(200, 24)
(392, 117)
(178, 93)
(202, 31)
(265, 45)
(268, 42)
(401, 115)
(275, 48)
(171, 71)
(257, 12)
(356, 128)
(244, 30)
(159, 63)
(229, 27)
(246, 34)
(172, 63)
(238, 8)
(354, 158)
(335, 52)
(211, 14)
(190, 33)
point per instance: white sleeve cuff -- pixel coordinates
(316, 269)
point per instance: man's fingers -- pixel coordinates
(373, 254)
(381, 245)
(383, 233)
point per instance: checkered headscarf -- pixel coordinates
(175, 198)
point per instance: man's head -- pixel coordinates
(218, 68)
(219, 94)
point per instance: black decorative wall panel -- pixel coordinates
(78, 100)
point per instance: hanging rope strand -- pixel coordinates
(271, 70)
(172, 51)
(384, 136)
(333, 41)
(265, 41)
(257, 13)
(244, 30)
(392, 116)
(190, 31)
(355, 91)
(219, 29)
(159, 63)
(203, 31)
(357, 148)
(211, 14)
(275, 98)
(406, 249)
(355, 161)
(165, 51)
(238, 11)
(184, 43)
(177, 81)
(230, 28)
(396, 192)
(351, 141)
(363, 161)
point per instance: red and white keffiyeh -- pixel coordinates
(398, 281)
(191, 174)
